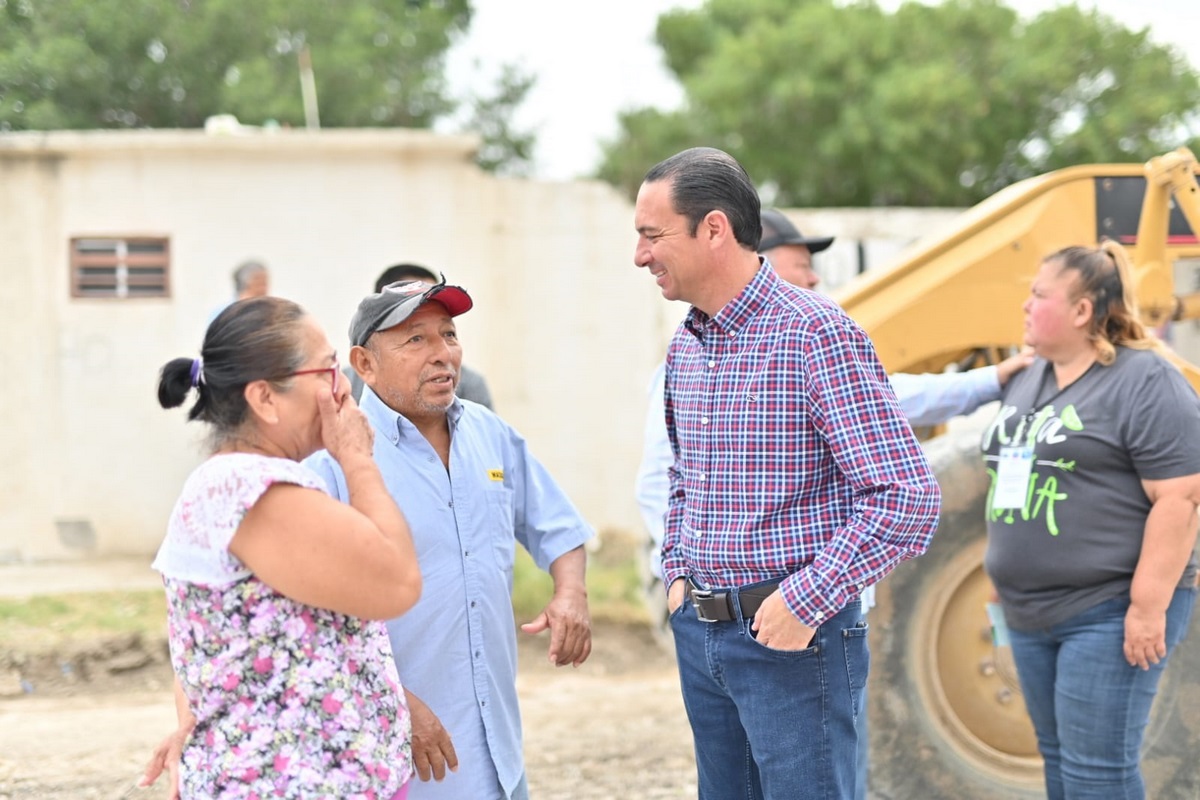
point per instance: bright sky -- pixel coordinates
(594, 59)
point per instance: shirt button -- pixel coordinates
(702, 477)
(712, 364)
(483, 703)
(450, 504)
(704, 420)
(477, 654)
(467, 553)
(472, 604)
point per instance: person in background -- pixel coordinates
(927, 399)
(285, 684)
(471, 384)
(472, 490)
(250, 279)
(1094, 457)
(796, 483)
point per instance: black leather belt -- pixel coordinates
(718, 606)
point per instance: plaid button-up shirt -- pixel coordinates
(793, 457)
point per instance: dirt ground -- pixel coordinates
(615, 727)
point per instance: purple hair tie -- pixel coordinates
(197, 371)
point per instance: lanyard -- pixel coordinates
(1012, 488)
(1039, 407)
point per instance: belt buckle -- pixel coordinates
(699, 598)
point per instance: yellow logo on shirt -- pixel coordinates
(495, 474)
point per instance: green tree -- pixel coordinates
(506, 149)
(72, 64)
(833, 103)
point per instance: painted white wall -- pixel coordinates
(566, 330)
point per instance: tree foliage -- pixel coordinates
(71, 64)
(845, 104)
(505, 149)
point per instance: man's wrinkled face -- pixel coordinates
(415, 365)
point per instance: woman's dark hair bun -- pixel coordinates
(174, 382)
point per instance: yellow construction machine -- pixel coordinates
(947, 717)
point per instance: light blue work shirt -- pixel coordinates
(934, 398)
(456, 649)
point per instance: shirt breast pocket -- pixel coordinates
(499, 526)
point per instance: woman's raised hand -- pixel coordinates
(345, 431)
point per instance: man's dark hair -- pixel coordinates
(404, 272)
(705, 179)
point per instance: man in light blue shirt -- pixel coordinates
(471, 490)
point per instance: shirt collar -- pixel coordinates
(395, 425)
(738, 312)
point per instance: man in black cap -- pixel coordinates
(789, 251)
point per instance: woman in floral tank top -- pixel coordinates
(285, 682)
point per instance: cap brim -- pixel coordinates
(819, 243)
(815, 245)
(453, 298)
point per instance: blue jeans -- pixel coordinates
(770, 724)
(1089, 707)
(862, 774)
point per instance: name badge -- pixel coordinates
(1012, 477)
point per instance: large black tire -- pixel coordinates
(947, 718)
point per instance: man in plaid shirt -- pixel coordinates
(797, 482)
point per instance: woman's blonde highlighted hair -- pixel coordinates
(1106, 278)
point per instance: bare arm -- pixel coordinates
(1167, 545)
(183, 710)
(566, 615)
(170, 750)
(358, 559)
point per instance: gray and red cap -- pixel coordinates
(397, 302)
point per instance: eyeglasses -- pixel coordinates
(335, 372)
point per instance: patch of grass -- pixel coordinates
(613, 578)
(37, 624)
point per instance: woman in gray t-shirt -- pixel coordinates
(1094, 460)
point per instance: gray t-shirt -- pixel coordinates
(1077, 540)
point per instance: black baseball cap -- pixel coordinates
(779, 230)
(396, 302)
